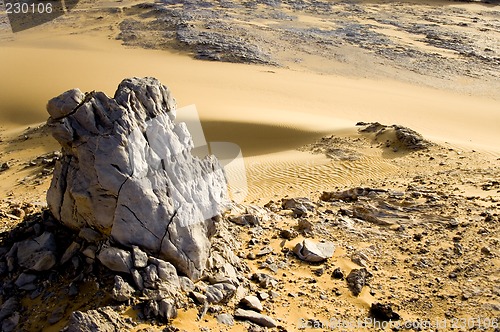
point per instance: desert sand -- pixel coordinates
(273, 113)
(266, 111)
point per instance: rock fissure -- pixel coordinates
(88, 97)
(167, 231)
(140, 221)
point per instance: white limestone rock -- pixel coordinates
(127, 172)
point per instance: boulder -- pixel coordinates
(116, 259)
(127, 172)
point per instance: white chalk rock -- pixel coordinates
(127, 171)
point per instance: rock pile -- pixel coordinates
(395, 136)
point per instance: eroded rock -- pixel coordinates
(103, 319)
(127, 172)
(122, 291)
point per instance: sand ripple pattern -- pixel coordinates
(302, 174)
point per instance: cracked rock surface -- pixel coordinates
(127, 172)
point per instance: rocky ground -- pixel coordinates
(418, 248)
(403, 40)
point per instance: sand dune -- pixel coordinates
(267, 111)
(237, 93)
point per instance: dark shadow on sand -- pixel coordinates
(257, 138)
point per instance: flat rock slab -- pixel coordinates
(310, 251)
(255, 317)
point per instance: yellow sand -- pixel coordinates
(267, 111)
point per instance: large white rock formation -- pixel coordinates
(127, 172)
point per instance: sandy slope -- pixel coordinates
(264, 110)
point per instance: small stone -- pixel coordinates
(299, 212)
(252, 303)
(90, 252)
(38, 253)
(264, 251)
(102, 319)
(319, 272)
(138, 281)
(262, 296)
(167, 309)
(288, 234)
(264, 280)
(356, 280)
(299, 202)
(305, 226)
(151, 276)
(198, 297)
(486, 251)
(5, 166)
(337, 273)
(10, 324)
(122, 291)
(225, 319)
(220, 293)
(140, 257)
(70, 252)
(273, 294)
(18, 212)
(45, 262)
(25, 281)
(312, 252)
(186, 284)
(246, 219)
(453, 223)
(73, 289)
(255, 317)
(383, 312)
(115, 259)
(8, 308)
(166, 271)
(360, 259)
